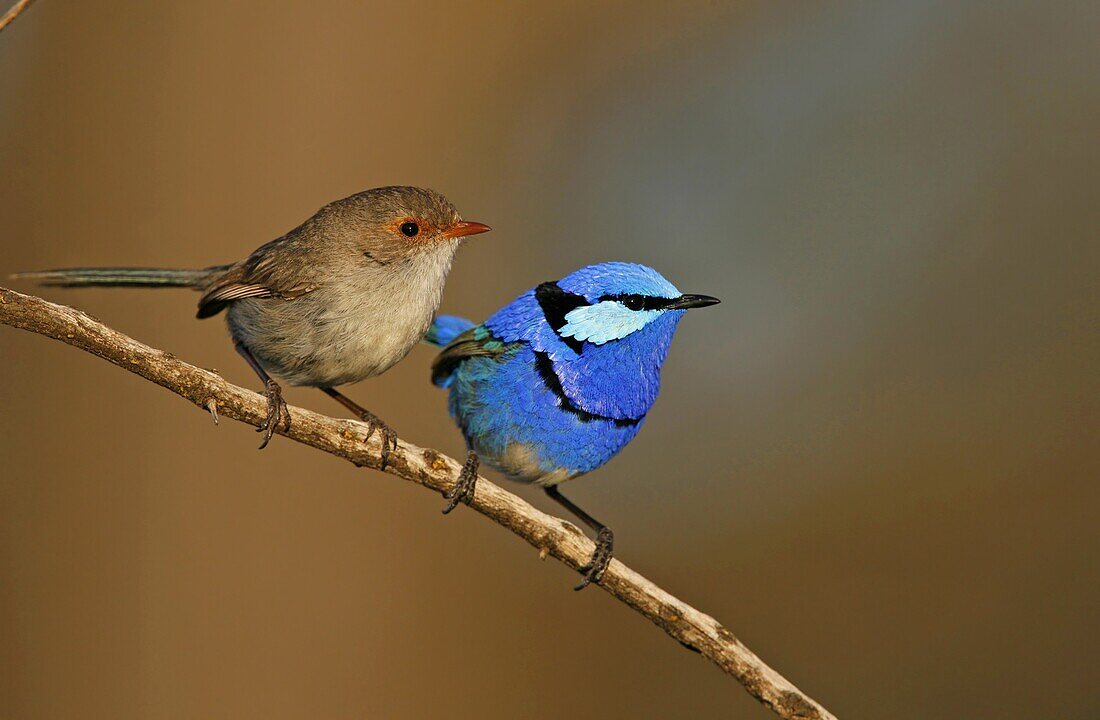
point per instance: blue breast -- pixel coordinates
(519, 424)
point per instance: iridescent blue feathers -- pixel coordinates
(555, 383)
(446, 328)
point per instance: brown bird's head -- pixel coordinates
(398, 222)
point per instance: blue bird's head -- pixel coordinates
(608, 302)
(605, 330)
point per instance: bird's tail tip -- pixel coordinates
(42, 277)
(446, 328)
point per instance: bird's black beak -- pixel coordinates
(685, 302)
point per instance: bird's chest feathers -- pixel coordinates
(380, 316)
(618, 379)
(354, 326)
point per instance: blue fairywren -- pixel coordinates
(558, 381)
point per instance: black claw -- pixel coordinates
(463, 490)
(276, 411)
(389, 437)
(389, 445)
(594, 569)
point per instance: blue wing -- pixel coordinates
(475, 342)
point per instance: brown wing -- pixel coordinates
(282, 268)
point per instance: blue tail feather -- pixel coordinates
(446, 328)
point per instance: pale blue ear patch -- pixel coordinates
(604, 322)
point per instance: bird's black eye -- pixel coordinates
(410, 229)
(637, 302)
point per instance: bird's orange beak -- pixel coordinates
(464, 228)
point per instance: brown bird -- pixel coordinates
(340, 298)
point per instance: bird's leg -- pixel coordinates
(594, 569)
(389, 437)
(276, 406)
(463, 491)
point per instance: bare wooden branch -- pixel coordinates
(344, 438)
(13, 12)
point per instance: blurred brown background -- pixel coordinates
(889, 429)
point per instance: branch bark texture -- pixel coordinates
(433, 470)
(13, 12)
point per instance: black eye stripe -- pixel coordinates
(556, 304)
(639, 302)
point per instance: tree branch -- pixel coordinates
(343, 438)
(13, 12)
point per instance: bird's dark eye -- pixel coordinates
(634, 302)
(410, 229)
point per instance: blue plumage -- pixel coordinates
(558, 381)
(446, 328)
(517, 423)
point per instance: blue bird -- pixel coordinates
(558, 381)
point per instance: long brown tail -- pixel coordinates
(123, 277)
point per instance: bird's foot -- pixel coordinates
(594, 569)
(276, 412)
(389, 437)
(463, 491)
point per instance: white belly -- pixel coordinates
(344, 331)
